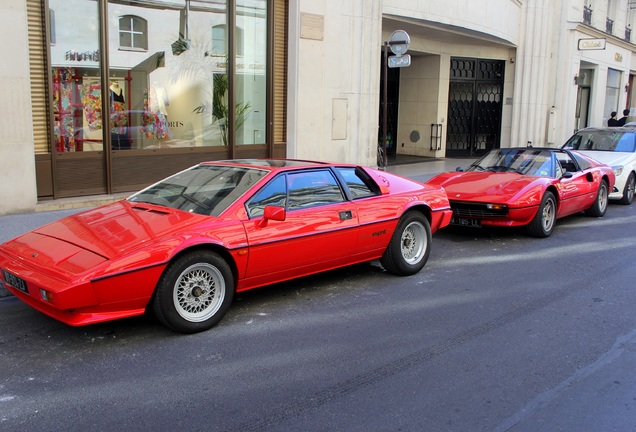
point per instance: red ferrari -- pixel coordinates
(529, 187)
(183, 246)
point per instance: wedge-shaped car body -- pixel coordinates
(615, 147)
(183, 246)
(530, 187)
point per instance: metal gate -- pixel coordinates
(474, 106)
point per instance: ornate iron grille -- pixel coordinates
(474, 106)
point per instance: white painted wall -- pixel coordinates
(325, 75)
(17, 167)
(499, 18)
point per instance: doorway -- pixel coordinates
(474, 106)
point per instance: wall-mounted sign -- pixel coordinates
(592, 44)
(312, 26)
(73, 55)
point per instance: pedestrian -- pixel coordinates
(623, 120)
(612, 122)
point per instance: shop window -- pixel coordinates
(133, 33)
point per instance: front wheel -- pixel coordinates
(410, 245)
(543, 223)
(194, 293)
(599, 207)
(628, 190)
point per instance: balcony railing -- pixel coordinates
(587, 14)
(609, 25)
(628, 34)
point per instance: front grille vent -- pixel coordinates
(476, 210)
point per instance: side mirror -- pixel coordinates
(567, 174)
(459, 169)
(273, 213)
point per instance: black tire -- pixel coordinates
(410, 245)
(544, 221)
(194, 293)
(599, 207)
(628, 190)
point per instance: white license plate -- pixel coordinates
(15, 281)
(473, 223)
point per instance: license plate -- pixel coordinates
(466, 222)
(15, 281)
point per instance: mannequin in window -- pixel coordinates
(118, 118)
(117, 93)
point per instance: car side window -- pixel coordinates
(582, 162)
(626, 143)
(359, 185)
(273, 193)
(567, 164)
(313, 188)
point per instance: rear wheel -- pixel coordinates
(628, 190)
(194, 293)
(599, 207)
(410, 245)
(543, 223)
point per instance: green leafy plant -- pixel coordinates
(219, 107)
(197, 64)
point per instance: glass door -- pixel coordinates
(78, 145)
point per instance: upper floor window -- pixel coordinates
(587, 14)
(219, 44)
(133, 33)
(52, 26)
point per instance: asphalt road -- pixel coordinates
(499, 332)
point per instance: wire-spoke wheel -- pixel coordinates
(543, 223)
(410, 245)
(194, 293)
(198, 293)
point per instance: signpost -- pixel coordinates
(398, 43)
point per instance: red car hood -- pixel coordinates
(483, 186)
(111, 230)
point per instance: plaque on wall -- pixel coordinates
(312, 26)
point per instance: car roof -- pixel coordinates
(626, 128)
(271, 164)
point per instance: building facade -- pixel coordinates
(106, 96)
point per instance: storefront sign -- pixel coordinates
(591, 44)
(73, 55)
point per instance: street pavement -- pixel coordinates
(598, 397)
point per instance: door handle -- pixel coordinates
(346, 215)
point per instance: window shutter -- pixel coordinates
(37, 64)
(280, 71)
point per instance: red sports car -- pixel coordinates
(183, 246)
(526, 186)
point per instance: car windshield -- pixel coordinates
(202, 189)
(526, 161)
(611, 139)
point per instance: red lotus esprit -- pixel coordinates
(183, 246)
(526, 186)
